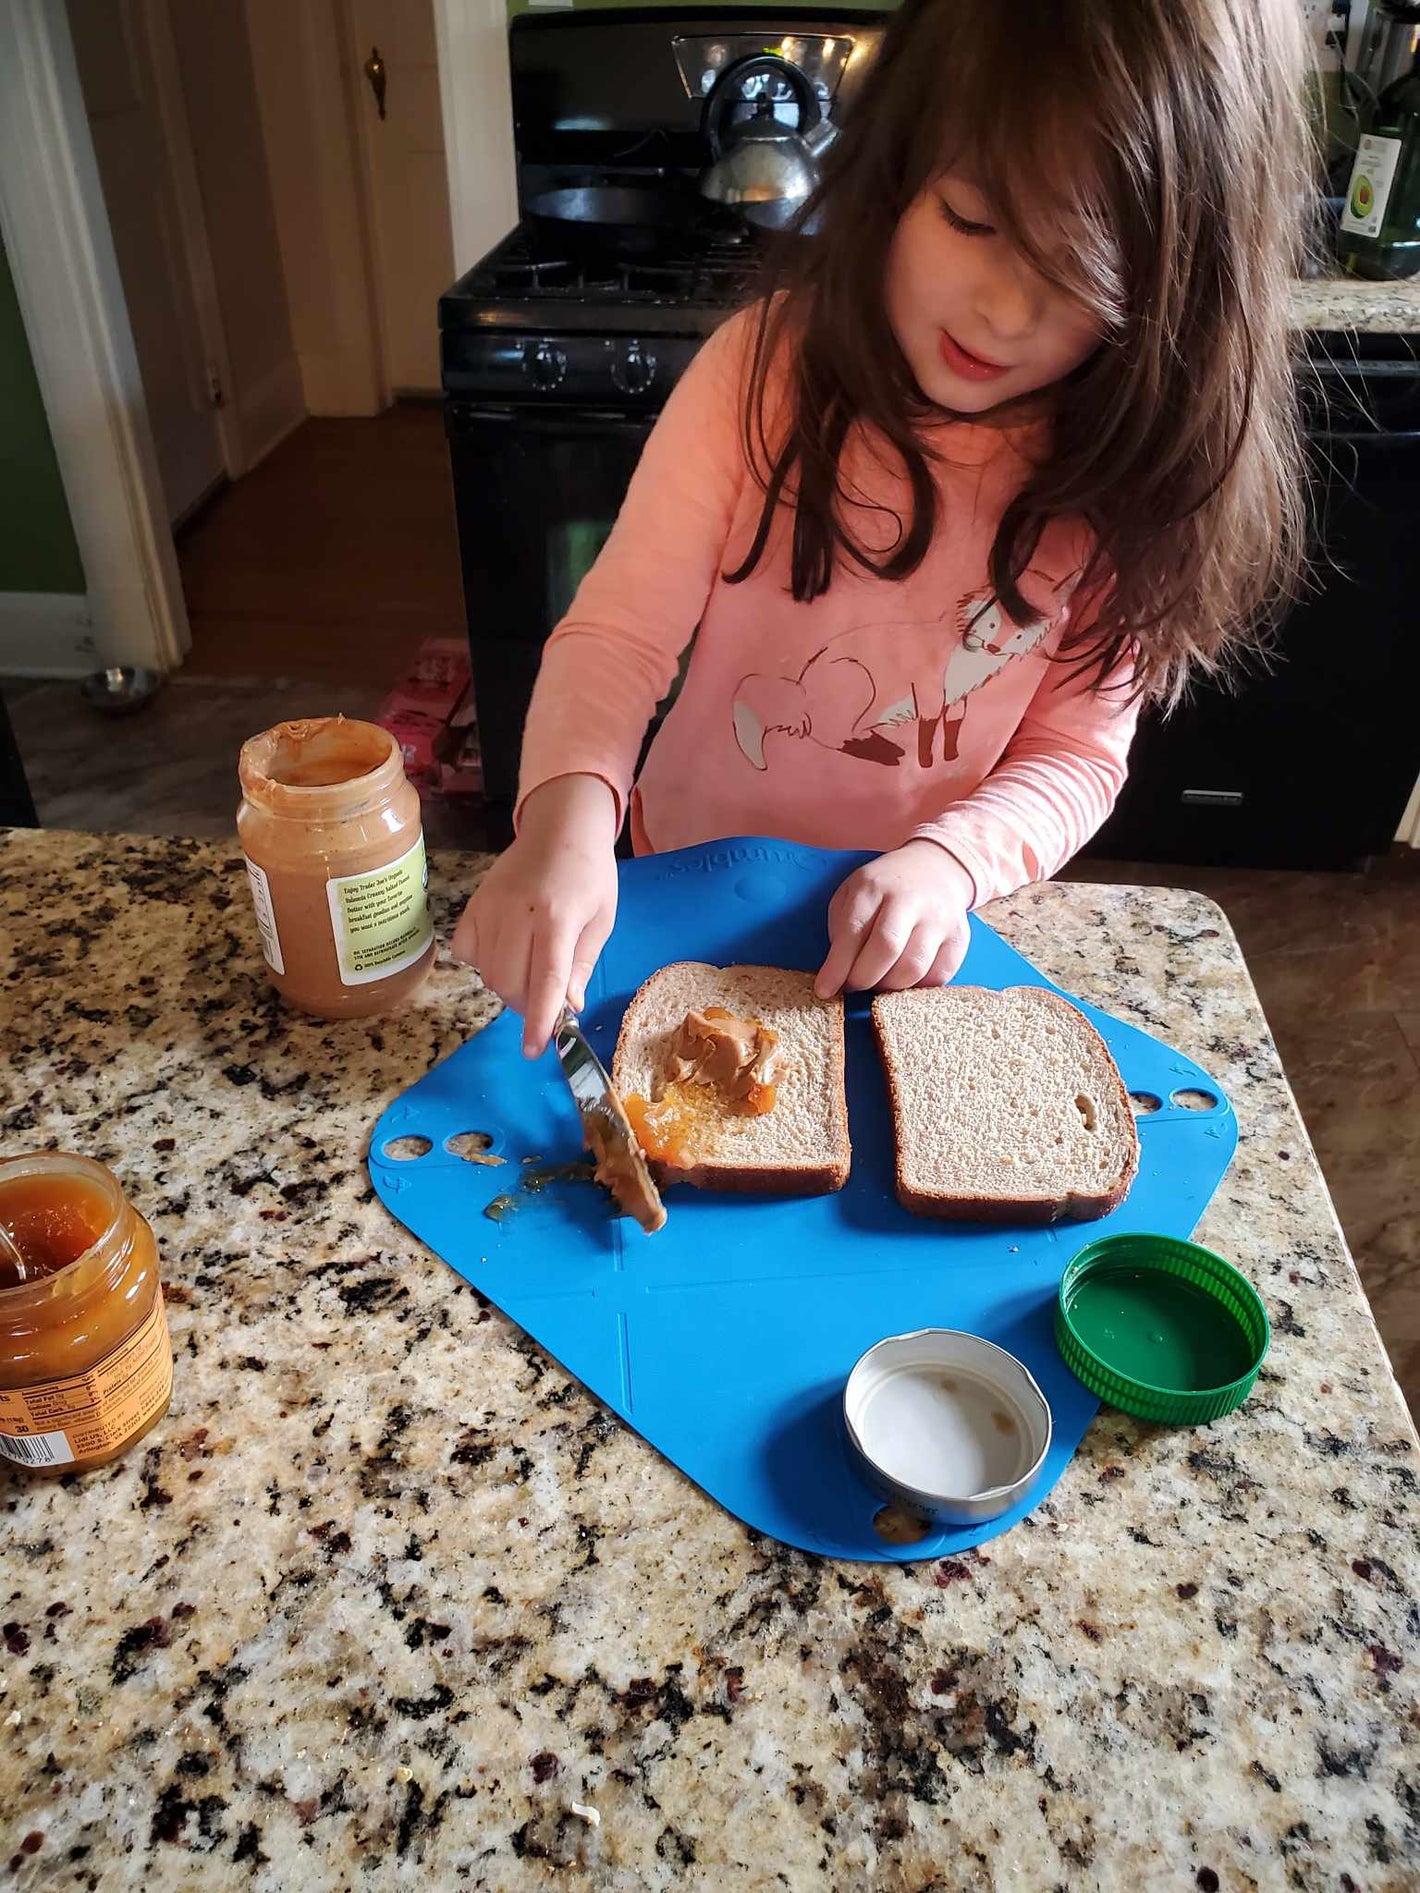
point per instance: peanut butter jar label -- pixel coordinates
(265, 916)
(59, 1422)
(381, 919)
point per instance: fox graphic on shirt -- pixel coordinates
(869, 690)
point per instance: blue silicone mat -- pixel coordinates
(726, 1339)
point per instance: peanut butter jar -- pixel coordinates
(334, 847)
(86, 1367)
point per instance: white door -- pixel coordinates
(115, 51)
(394, 51)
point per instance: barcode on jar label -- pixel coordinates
(36, 1449)
(265, 917)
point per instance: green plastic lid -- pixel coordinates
(1161, 1329)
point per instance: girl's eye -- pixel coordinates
(963, 225)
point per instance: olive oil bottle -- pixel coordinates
(1379, 233)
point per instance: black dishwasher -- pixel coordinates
(1311, 764)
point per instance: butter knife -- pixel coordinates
(610, 1138)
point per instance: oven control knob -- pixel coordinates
(544, 364)
(635, 371)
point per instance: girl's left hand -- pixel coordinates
(898, 921)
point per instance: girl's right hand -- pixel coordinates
(542, 913)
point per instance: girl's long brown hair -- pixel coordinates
(1152, 159)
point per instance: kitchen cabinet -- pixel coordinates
(1310, 761)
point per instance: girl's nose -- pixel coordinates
(1011, 299)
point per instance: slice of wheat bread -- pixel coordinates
(800, 1147)
(1007, 1106)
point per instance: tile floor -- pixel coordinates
(171, 769)
(310, 584)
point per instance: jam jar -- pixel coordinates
(86, 1367)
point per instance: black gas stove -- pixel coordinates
(560, 346)
(526, 323)
(522, 284)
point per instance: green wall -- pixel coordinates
(38, 552)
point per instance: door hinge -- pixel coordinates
(214, 385)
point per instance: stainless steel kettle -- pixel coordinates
(763, 168)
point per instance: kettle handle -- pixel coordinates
(722, 96)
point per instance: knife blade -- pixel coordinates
(610, 1138)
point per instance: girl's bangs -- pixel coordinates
(1042, 170)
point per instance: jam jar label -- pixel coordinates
(90, 1414)
(381, 918)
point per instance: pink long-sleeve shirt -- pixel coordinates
(882, 711)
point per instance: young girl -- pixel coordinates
(1010, 447)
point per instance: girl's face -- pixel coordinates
(978, 325)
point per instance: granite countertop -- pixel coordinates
(1347, 303)
(386, 1595)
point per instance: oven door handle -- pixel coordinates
(463, 417)
(1381, 441)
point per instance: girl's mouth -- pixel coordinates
(962, 362)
